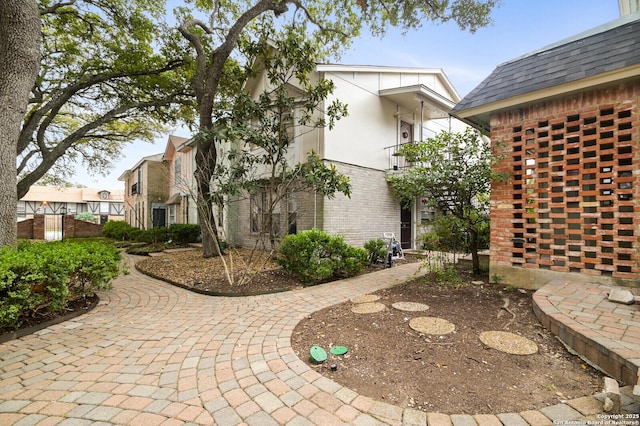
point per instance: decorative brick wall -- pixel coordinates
(80, 228)
(35, 228)
(25, 229)
(570, 205)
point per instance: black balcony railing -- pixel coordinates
(396, 160)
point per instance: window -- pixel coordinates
(22, 210)
(172, 214)
(139, 183)
(177, 165)
(259, 215)
(293, 216)
(256, 205)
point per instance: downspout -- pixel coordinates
(315, 193)
(421, 119)
(398, 120)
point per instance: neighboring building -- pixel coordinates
(566, 119)
(146, 192)
(388, 106)
(47, 200)
(159, 189)
(179, 155)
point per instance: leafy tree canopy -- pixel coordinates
(455, 171)
(111, 73)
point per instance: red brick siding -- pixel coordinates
(80, 229)
(25, 229)
(34, 228)
(570, 204)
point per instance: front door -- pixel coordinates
(405, 227)
(159, 218)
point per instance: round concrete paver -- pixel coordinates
(367, 308)
(410, 306)
(365, 298)
(508, 342)
(431, 325)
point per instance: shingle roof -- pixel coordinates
(595, 53)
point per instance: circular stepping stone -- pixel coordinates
(367, 308)
(431, 325)
(365, 298)
(508, 342)
(410, 306)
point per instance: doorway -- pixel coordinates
(159, 219)
(405, 227)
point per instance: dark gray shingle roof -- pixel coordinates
(559, 64)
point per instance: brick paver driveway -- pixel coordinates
(152, 354)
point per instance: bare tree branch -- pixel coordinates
(54, 7)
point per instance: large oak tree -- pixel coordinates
(80, 78)
(20, 58)
(110, 74)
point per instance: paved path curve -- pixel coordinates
(154, 354)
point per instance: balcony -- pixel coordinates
(396, 161)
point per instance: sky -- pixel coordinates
(519, 27)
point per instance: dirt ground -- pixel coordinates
(389, 361)
(189, 269)
(450, 373)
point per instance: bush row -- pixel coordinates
(315, 256)
(43, 277)
(179, 233)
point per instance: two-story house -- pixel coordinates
(179, 155)
(388, 107)
(159, 189)
(146, 192)
(56, 201)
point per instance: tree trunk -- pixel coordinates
(206, 157)
(20, 59)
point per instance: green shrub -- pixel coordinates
(447, 234)
(353, 261)
(314, 256)
(87, 216)
(184, 233)
(97, 265)
(146, 249)
(154, 235)
(120, 230)
(430, 241)
(21, 275)
(377, 249)
(43, 277)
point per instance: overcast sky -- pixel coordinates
(520, 27)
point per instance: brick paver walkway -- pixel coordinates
(154, 354)
(604, 332)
